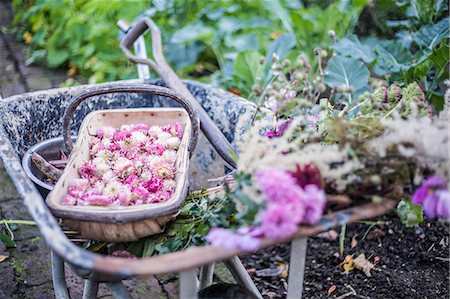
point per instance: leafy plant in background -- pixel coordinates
(205, 39)
(80, 35)
(423, 59)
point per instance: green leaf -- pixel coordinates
(149, 247)
(183, 55)
(194, 32)
(246, 65)
(251, 208)
(409, 213)
(393, 57)
(350, 46)
(280, 47)
(431, 35)
(346, 71)
(243, 42)
(56, 58)
(9, 243)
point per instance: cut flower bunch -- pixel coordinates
(134, 165)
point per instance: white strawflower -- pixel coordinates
(125, 128)
(113, 188)
(154, 131)
(137, 137)
(109, 176)
(101, 165)
(169, 185)
(162, 137)
(169, 156)
(146, 175)
(108, 132)
(106, 142)
(173, 143)
(121, 164)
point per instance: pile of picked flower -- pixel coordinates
(134, 165)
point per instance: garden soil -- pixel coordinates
(408, 263)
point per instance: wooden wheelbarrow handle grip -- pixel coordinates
(159, 64)
(129, 88)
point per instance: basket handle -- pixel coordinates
(129, 88)
(160, 65)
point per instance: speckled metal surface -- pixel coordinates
(33, 117)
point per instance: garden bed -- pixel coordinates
(414, 263)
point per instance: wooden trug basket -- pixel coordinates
(121, 224)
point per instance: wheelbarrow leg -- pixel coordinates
(241, 276)
(59, 277)
(297, 268)
(118, 290)
(189, 284)
(90, 289)
(206, 275)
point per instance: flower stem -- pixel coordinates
(24, 222)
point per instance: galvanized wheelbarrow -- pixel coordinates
(31, 118)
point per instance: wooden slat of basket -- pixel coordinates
(197, 256)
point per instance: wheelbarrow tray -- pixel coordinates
(118, 223)
(34, 117)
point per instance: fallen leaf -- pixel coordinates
(377, 258)
(3, 257)
(284, 270)
(376, 234)
(354, 242)
(362, 264)
(347, 264)
(268, 272)
(331, 289)
(330, 235)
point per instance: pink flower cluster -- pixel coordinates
(291, 198)
(288, 203)
(131, 166)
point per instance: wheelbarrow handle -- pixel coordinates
(129, 88)
(159, 64)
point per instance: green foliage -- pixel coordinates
(80, 35)
(424, 59)
(348, 72)
(203, 39)
(409, 213)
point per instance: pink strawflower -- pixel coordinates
(121, 135)
(179, 130)
(314, 204)
(161, 196)
(99, 200)
(140, 191)
(224, 238)
(69, 200)
(87, 169)
(106, 132)
(155, 149)
(140, 127)
(154, 184)
(278, 221)
(78, 187)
